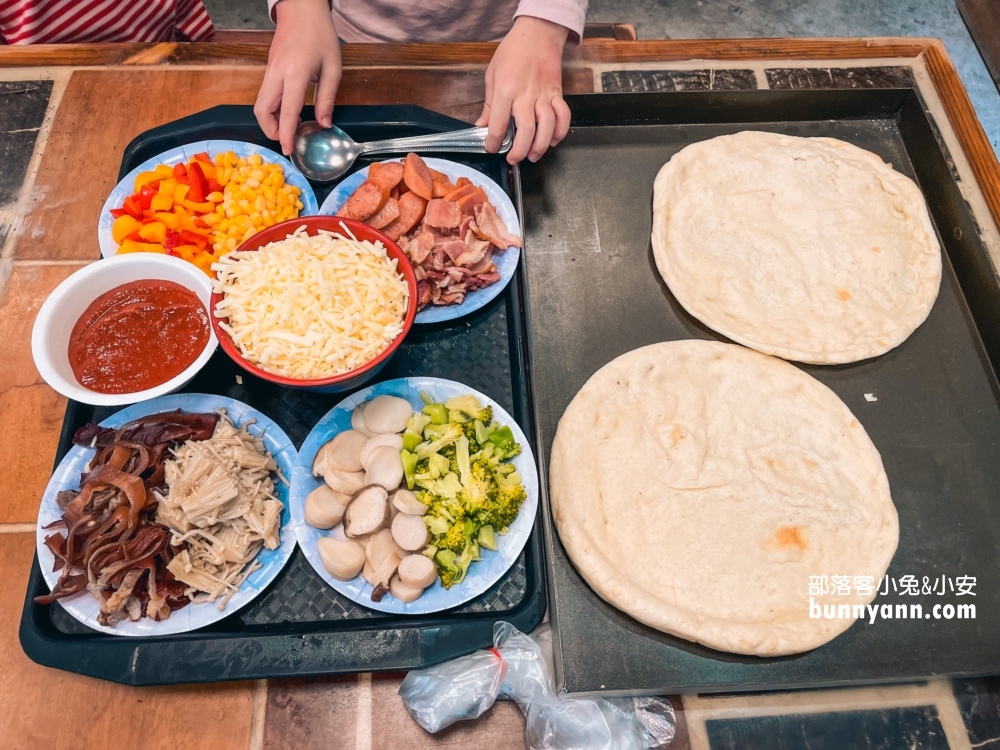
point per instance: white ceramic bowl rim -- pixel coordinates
(146, 268)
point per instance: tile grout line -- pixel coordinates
(258, 698)
(17, 528)
(60, 81)
(363, 726)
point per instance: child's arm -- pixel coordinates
(305, 50)
(524, 79)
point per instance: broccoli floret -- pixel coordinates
(486, 415)
(502, 506)
(455, 539)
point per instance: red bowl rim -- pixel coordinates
(314, 224)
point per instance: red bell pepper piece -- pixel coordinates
(173, 240)
(132, 207)
(213, 186)
(197, 184)
(199, 222)
(146, 196)
(147, 213)
(193, 238)
(204, 158)
(118, 212)
(135, 237)
(180, 170)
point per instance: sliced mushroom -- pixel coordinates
(392, 440)
(325, 507)
(385, 467)
(387, 414)
(417, 571)
(380, 545)
(342, 558)
(343, 452)
(406, 502)
(401, 591)
(368, 512)
(358, 419)
(345, 482)
(369, 573)
(410, 532)
(381, 574)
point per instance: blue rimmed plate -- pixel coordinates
(505, 261)
(482, 574)
(84, 606)
(184, 153)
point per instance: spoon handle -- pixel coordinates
(469, 141)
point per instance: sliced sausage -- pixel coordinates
(388, 214)
(411, 211)
(388, 174)
(417, 177)
(364, 202)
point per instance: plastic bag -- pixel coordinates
(519, 668)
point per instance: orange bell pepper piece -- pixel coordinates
(201, 208)
(162, 202)
(131, 246)
(155, 232)
(170, 221)
(187, 252)
(123, 227)
(144, 178)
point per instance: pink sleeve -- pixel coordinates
(272, 3)
(569, 13)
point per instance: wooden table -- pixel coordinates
(68, 113)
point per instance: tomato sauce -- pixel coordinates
(138, 336)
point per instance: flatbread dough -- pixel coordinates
(697, 486)
(810, 249)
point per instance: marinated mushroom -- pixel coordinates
(367, 512)
(406, 502)
(382, 573)
(345, 482)
(385, 467)
(342, 558)
(325, 507)
(392, 440)
(403, 592)
(410, 532)
(343, 452)
(417, 571)
(387, 414)
(358, 419)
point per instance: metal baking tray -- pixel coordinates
(595, 294)
(301, 626)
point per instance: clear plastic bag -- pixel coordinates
(519, 668)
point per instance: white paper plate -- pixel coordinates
(505, 261)
(185, 153)
(83, 606)
(482, 574)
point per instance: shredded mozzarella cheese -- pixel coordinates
(311, 307)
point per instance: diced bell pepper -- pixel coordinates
(162, 202)
(123, 227)
(155, 232)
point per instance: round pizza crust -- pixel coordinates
(809, 249)
(699, 487)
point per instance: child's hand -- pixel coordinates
(525, 79)
(305, 50)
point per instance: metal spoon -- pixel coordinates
(324, 154)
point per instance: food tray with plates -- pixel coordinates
(298, 624)
(930, 406)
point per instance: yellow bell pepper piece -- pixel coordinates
(187, 252)
(164, 171)
(153, 232)
(199, 208)
(162, 202)
(123, 227)
(180, 193)
(167, 187)
(144, 178)
(170, 221)
(131, 246)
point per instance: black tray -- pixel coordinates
(936, 421)
(301, 626)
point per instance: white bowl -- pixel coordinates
(69, 300)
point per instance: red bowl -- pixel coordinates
(313, 224)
